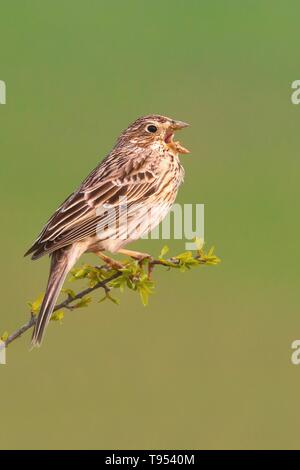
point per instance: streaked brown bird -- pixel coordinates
(143, 169)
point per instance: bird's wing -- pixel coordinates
(80, 215)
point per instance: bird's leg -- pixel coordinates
(134, 254)
(110, 261)
(139, 257)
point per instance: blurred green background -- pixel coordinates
(207, 364)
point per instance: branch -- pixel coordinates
(131, 275)
(65, 304)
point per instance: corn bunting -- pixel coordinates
(143, 173)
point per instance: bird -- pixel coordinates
(144, 170)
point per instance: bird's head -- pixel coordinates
(155, 129)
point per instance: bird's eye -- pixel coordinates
(152, 129)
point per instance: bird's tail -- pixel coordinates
(61, 262)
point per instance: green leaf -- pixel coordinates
(58, 316)
(211, 251)
(145, 287)
(82, 272)
(69, 292)
(36, 304)
(79, 274)
(84, 302)
(144, 295)
(187, 255)
(4, 336)
(164, 251)
(214, 260)
(186, 261)
(199, 242)
(209, 258)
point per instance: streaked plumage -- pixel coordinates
(144, 168)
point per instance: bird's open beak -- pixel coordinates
(176, 126)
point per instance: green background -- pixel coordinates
(208, 363)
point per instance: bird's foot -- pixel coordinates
(113, 263)
(138, 256)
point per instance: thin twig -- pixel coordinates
(170, 262)
(65, 304)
